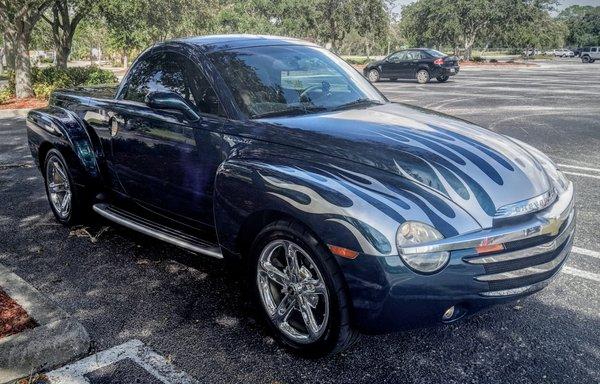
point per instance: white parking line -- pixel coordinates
(586, 252)
(584, 274)
(581, 174)
(579, 167)
(135, 350)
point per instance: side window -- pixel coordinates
(397, 57)
(595, 49)
(586, 49)
(141, 79)
(413, 55)
(171, 72)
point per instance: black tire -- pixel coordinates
(373, 75)
(338, 333)
(442, 79)
(585, 59)
(422, 76)
(79, 203)
(592, 60)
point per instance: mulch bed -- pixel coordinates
(13, 318)
(24, 103)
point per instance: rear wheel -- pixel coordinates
(67, 200)
(423, 76)
(373, 75)
(442, 79)
(299, 289)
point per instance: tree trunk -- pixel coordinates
(125, 60)
(62, 55)
(9, 50)
(469, 41)
(23, 87)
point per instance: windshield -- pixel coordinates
(434, 53)
(282, 80)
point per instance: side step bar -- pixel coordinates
(157, 231)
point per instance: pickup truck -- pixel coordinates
(348, 213)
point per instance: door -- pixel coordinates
(163, 159)
(392, 66)
(412, 63)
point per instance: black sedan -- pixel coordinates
(422, 64)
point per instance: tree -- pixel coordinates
(18, 18)
(464, 22)
(583, 24)
(64, 17)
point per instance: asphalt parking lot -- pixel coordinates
(190, 310)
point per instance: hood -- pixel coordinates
(476, 168)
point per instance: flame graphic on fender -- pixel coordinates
(372, 212)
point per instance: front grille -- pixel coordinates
(520, 266)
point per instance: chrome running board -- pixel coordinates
(157, 231)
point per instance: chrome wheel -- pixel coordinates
(422, 76)
(59, 188)
(292, 291)
(373, 75)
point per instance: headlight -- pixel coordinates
(414, 233)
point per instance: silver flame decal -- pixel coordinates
(373, 214)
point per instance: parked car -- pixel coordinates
(590, 54)
(421, 64)
(563, 53)
(577, 51)
(531, 52)
(348, 212)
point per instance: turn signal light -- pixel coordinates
(343, 252)
(489, 248)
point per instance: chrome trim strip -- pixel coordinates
(544, 223)
(517, 291)
(529, 271)
(524, 207)
(527, 252)
(101, 209)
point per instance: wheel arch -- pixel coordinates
(57, 128)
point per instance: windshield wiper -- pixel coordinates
(356, 103)
(290, 112)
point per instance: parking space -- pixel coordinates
(191, 311)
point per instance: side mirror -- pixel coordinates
(173, 101)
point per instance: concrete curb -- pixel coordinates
(10, 113)
(57, 339)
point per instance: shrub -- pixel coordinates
(43, 90)
(46, 80)
(493, 61)
(5, 94)
(478, 59)
(357, 60)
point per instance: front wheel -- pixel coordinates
(423, 76)
(585, 59)
(373, 75)
(299, 289)
(442, 79)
